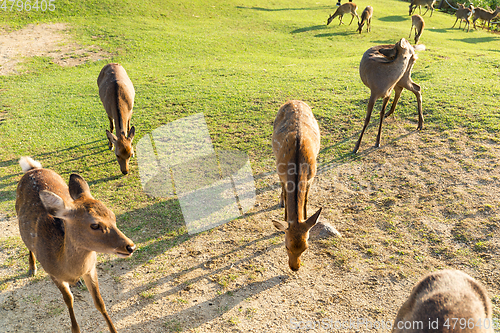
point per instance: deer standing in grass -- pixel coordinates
(419, 3)
(484, 15)
(366, 17)
(346, 8)
(117, 95)
(63, 227)
(418, 23)
(442, 301)
(382, 69)
(296, 142)
(463, 13)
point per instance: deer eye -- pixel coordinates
(94, 226)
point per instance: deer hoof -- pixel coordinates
(31, 272)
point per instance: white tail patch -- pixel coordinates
(419, 47)
(27, 163)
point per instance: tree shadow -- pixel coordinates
(477, 40)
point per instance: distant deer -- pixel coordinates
(463, 13)
(296, 142)
(366, 16)
(382, 69)
(346, 8)
(418, 23)
(418, 3)
(63, 227)
(117, 95)
(439, 302)
(484, 15)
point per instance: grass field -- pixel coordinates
(236, 62)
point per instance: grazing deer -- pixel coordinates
(463, 13)
(63, 227)
(384, 68)
(419, 3)
(296, 141)
(439, 302)
(346, 8)
(418, 22)
(366, 16)
(485, 16)
(117, 95)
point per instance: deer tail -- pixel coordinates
(27, 163)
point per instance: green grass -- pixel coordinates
(237, 64)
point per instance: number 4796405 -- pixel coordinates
(28, 5)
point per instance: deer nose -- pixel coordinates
(130, 249)
(125, 172)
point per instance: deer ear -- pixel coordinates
(310, 222)
(131, 133)
(280, 225)
(53, 203)
(78, 187)
(111, 137)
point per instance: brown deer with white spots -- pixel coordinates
(63, 227)
(296, 142)
(446, 301)
(117, 95)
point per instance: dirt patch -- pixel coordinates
(423, 201)
(43, 40)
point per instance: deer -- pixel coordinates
(346, 8)
(385, 68)
(63, 226)
(485, 16)
(419, 3)
(418, 23)
(463, 13)
(440, 300)
(117, 96)
(296, 143)
(366, 16)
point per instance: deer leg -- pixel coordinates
(411, 31)
(340, 18)
(397, 90)
(369, 110)
(93, 286)
(32, 269)
(382, 112)
(111, 128)
(68, 299)
(416, 90)
(432, 11)
(282, 196)
(456, 23)
(427, 11)
(352, 18)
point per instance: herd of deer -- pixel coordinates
(463, 14)
(63, 226)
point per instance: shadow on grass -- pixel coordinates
(395, 18)
(282, 9)
(340, 33)
(311, 28)
(478, 40)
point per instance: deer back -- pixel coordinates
(63, 225)
(117, 95)
(443, 295)
(296, 143)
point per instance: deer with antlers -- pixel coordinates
(296, 142)
(63, 226)
(385, 68)
(446, 301)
